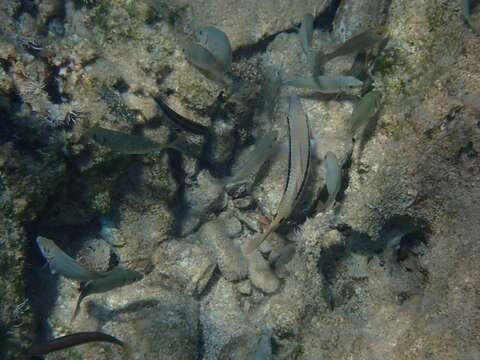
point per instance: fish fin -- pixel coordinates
(257, 240)
(77, 308)
(52, 269)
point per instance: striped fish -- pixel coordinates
(299, 153)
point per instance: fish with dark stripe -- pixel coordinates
(180, 121)
(71, 340)
(299, 154)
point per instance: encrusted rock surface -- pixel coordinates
(355, 287)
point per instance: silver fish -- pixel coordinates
(362, 41)
(216, 41)
(123, 143)
(298, 168)
(264, 148)
(116, 278)
(363, 112)
(305, 33)
(326, 84)
(334, 177)
(205, 61)
(63, 264)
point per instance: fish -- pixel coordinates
(180, 121)
(63, 264)
(68, 341)
(264, 148)
(360, 42)
(118, 277)
(363, 112)
(305, 33)
(467, 5)
(299, 154)
(333, 177)
(325, 84)
(206, 62)
(263, 349)
(286, 254)
(123, 143)
(217, 42)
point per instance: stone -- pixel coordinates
(185, 266)
(228, 256)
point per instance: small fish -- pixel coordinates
(123, 143)
(333, 177)
(286, 254)
(216, 41)
(298, 167)
(325, 84)
(363, 112)
(66, 266)
(205, 61)
(305, 33)
(467, 5)
(116, 278)
(71, 340)
(362, 41)
(264, 347)
(180, 121)
(264, 148)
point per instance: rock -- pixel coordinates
(233, 226)
(260, 273)
(143, 225)
(205, 195)
(185, 266)
(222, 318)
(229, 258)
(249, 22)
(244, 287)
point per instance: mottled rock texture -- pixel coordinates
(355, 288)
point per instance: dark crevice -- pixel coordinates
(401, 244)
(51, 85)
(260, 46)
(324, 20)
(176, 164)
(26, 6)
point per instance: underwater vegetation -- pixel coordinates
(239, 180)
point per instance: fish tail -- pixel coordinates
(257, 240)
(77, 308)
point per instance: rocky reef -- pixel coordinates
(389, 272)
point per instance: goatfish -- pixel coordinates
(71, 340)
(357, 43)
(180, 121)
(116, 278)
(364, 111)
(264, 148)
(305, 34)
(216, 41)
(299, 152)
(325, 84)
(206, 62)
(333, 177)
(123, 143)
(60, 262)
